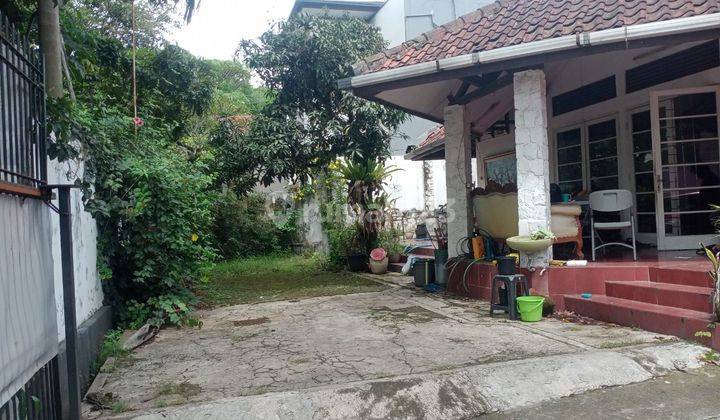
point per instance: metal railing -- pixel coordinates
(22, 109)
(38, 399)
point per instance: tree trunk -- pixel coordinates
(51, 44)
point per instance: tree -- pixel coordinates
(309, 122)
(51, 46)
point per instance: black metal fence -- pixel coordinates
(38, 399)
(22, 109)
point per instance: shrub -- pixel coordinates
(343, 240)
(154, 238)
(242, 227)
(389, 239)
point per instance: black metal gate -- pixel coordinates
(22, 110)
(38, 399)
(23, 170)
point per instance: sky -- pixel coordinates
(218, 25)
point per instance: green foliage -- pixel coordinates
(152, 189)
(242, 227)
(366, 196)
(541, 234)
(309, 122)
(343, 241)
(389, 240)
(112, 346)
(170, 309)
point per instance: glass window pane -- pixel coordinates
(646, 223)
(642, 142)
(684, 105)
(688, 129)
(691, 200)
(695, 152)
(604, 167)
(604, 184)
(690, 176)
(645, 203)
(601, 131)
(643, 162)
(570, 172)
(689, 224)
(571, 187)
(641, 121)
(570, 155)
(568, 138)
(644, 183)
(605, 148)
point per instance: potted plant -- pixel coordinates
(389, 240)
(378, 261)
(355, 250)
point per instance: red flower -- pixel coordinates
(138, 122)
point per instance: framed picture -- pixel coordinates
(501, 168)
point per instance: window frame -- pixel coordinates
(585, 148)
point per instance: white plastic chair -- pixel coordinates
(612, 201)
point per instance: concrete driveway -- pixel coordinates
(400, 353)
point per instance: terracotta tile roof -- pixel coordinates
(435, 134)
(512, 22)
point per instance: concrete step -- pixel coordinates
(665, 294)
(684, 276)
(680, 322)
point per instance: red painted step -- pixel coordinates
(666, 294)
(697, 278)
(679, 322)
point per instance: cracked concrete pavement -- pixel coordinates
(398, 353)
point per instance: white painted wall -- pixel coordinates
(389, 20)
(88, 289)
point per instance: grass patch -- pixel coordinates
(277, 277)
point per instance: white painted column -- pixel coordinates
(458, 175)
(532, 150)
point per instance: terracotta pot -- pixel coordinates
(379, 267)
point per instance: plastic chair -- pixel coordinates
(612, 201)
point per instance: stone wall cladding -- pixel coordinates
(532, 151)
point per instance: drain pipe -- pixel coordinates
(68, 280)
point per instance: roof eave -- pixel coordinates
(554, 45)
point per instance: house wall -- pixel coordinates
(88, 289)
(573, 74)
(566, 76)
(401, 20)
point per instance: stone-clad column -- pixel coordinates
(532, 151)
(458, 175)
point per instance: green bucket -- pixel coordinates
(530, 308)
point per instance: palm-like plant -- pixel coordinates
(366, 193)
(715, 276)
